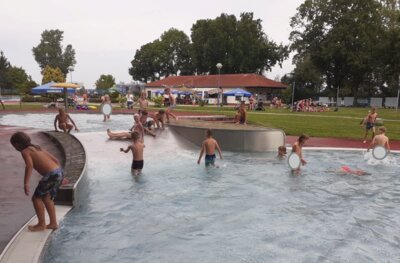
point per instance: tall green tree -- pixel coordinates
(50, 52)
(147, 65)
(175, 53)
(240, 45)
(4, 68)
(105, 82)
(340, 37)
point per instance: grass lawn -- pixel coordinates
(344, 123)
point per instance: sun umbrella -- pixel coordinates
(48, 88)
(65, 85)
(238, 92)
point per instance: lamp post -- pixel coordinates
(337, 99)
(294, 86)
(219, 66)
(70, 69)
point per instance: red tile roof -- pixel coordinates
(226, 81)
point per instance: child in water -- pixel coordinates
(63, 119)
(380, 140)
(282, 152)
(348, 170)
(137, 148)
(49, 167)
(209, 145)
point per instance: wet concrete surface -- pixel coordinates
(15, 207)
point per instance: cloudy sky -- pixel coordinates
(105, 34)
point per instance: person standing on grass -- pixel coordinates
(49, 167)
(369, 122)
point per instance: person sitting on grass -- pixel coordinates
(49, 167)
(137, 148)
(62, 118)
(241, 115)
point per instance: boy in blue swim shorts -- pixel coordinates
(208, 146)
(49, 167)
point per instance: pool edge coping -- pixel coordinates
(23, 235)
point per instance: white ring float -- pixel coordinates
(106, 109)
(294, 161)
(379, 152)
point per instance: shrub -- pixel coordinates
(158, 101)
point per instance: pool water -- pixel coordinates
(251, 209)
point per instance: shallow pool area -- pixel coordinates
(251, 209)
(85, 122)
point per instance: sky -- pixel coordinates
(106, 34)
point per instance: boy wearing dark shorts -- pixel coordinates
(49, 167)
(209, 145)
(137, 148)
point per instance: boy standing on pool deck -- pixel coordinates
(297, 147)
(209, 145)
(381, 139)
(137, 148)
(170, 102)
(369, 123)
(49, 167)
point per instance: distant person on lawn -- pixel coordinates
(369, 122)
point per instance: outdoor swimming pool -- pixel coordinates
(252, 209)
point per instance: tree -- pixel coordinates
(50, 52)
(146, 64)
(4, 68)
(340, 38)
(105, 82)
(169, 55)
(52, 74)
(175, 53)
(240, 45)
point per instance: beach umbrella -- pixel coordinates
(49, 89)
(238, 92)
(65, 86)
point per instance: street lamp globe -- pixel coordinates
(219, 66)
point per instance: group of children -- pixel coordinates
(52, 175)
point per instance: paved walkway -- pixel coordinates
(15, 207)
(342, 143)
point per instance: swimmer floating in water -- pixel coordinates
(347, 170)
